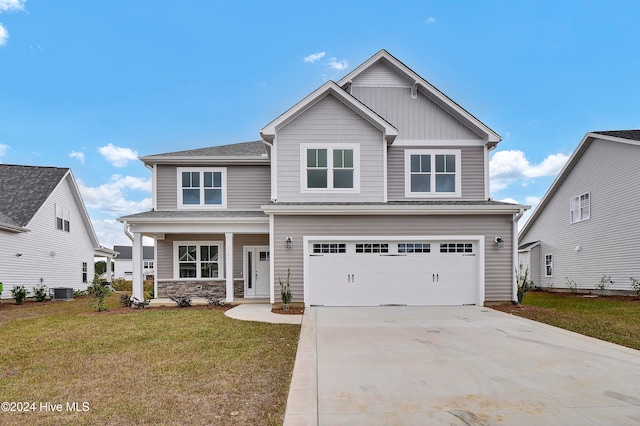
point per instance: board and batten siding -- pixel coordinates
(48, 253)
(471, 164)
(164, 267)
(610, 240)
(418, 118)
(329, 121)
(498, 262)
(248, 187)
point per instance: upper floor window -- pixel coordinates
(580, 208)
(63, 217)
(326, 167)
(202, 187)
(432, 173)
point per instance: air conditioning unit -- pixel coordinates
(62, 293)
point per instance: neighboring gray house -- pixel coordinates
(372, 190)
(123, 263)
(586, 225)
(46, 236)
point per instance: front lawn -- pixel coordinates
(610, 318)
(156, 365)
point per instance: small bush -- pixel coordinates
(79, 293)
(571, 285)
(285, 290)
(604, 282)
(19, 293)
(182, 301)
(523, 282)
(0, 292)
(125, 300)
(120, 284)
(635, 285)
(98, 292)
(40, 292)
(216, 301)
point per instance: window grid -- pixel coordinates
(548, 265)
(456, 248)
(84, 272)
(580, 208)
(203, 187)
(414, 248)
(198, 261)
(320, 248)
(372, 248)
(63, 218)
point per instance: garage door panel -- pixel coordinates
(354, 278)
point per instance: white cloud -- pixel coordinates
(115, 198)
(3, 150)
(10, 5)
(77, 155)
(314, 57)
(533, 200)
(117, 156)
(4, 35)
(507, 167)
(509, 200)
(338, 65)
(430, 20)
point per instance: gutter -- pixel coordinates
(126, 230)
(514, 254)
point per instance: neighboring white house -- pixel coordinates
(372, 190)
(123, 263)
(46, 236)
(586, 226)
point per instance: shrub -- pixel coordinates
(125, 300)
(19, 293)
(571, 285)
(0, 292)
(182, 301)
(79, 293)
(285, 290)
(604, 282)
(98, 292)
(523, 282)
(120, 284)
(635, 285)
(40, 292)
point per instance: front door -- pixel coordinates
(256, 283)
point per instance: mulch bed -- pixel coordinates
(292, 311)
(127, 310)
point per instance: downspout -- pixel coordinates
(516, 218)
(126, 230)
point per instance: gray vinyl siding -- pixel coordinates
(381, 74)
(329, 121)
(498, 262)
(164, 267)
(534, 267)
(248, 187)
(419, 118)
(472, 165)
(610, 239)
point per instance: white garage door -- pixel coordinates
(373, 273)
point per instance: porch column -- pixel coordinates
(136, 258)
(109, 260)
(228, 265)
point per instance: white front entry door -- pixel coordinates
(256, 260)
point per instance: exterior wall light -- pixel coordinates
(499, 242)
(288, 242)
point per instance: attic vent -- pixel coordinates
(62, 293)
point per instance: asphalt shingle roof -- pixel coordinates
(23, 189)
(243, 149)
(624, 134)
(125, 252)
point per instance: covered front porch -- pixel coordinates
(218, 257)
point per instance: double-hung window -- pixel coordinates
(432, 173)
(202, 187)
(580, 208)
(548, 265)
(197, 260)
(63, 218)
(325, 167)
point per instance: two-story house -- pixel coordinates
(371, 190)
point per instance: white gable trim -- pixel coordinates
(428, 90)
(268, 133)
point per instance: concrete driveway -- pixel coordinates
(456, 366)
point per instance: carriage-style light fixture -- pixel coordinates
(288, 242)
(499, 242)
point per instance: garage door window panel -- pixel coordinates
(404, 248)
(456, 248)
(372, 248)
(329, 248)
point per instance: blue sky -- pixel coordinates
(91, 85)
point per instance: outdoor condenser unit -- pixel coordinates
(62, 293)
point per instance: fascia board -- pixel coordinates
(196, 220)
(12, 228)
(391, 210)
(237, 160)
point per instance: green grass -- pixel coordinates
(614, 319)
(155, 366)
